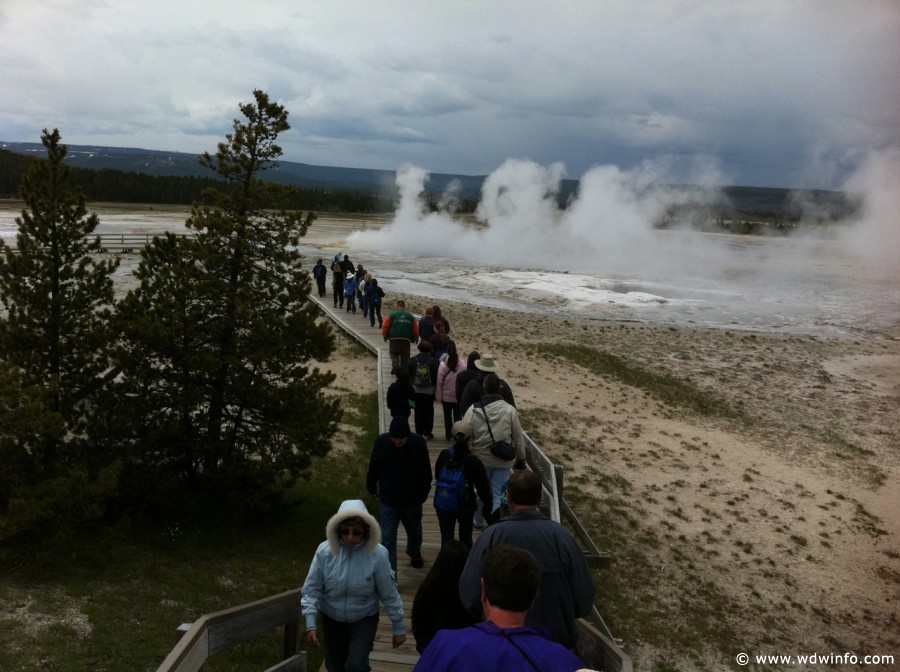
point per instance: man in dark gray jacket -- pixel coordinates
(567, 590)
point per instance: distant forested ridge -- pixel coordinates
(119, 186)
(122, 174)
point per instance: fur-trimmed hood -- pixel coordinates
(352, 508)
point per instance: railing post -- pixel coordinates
(291, 635)
(558, 475)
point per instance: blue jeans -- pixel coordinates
(498, 477)
(389, 518)
(346, 646)
(363, 304)
(351, 302)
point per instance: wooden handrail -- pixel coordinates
(121, 242)
(599, 651)
(222, 630)
(551, 475)
(127, 242)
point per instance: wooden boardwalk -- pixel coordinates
(384, 658)
(223, 630)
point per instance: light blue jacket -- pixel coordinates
(350, 286)
(347, 584)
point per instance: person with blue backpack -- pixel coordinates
(459, 475)
(320, 273)
(375, 294)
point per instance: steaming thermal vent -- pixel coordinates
(607, 231)
(619, 266)
(876, 236)
(608, 225)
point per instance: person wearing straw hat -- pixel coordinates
(493, 420)
(472, 392)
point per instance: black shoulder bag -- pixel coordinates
(499, 449)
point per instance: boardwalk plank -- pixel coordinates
(384, 658)
(403, 659)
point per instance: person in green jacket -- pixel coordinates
(400, 330)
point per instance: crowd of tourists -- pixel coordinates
(506, 600)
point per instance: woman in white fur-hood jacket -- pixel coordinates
(349, 576)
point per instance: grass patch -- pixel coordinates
(111, 599)
(650, 593)
(666, 388)
(844, 448)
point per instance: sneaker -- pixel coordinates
(429, 436)
(417, 562)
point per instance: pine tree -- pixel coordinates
(54, 333)
(218, 337)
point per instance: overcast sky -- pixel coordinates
(789, 93)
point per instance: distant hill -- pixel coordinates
(755, 202)
(180, 164)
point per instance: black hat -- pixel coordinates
(399, 427)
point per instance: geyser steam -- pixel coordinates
(608, 224)
(608, 227)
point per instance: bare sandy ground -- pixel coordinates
(783, 527)
(774, 533)
(780, 532)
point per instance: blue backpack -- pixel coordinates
(375, 294)
(451, 491)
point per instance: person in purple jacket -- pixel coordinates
(509, 585)
(567, 590)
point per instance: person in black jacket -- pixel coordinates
(465, 377)
(320, 273)
(437, 605)
(376, 294)
(422, 371)
(400, 396)
(476, 482)
(337, 282)
(399, 476)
